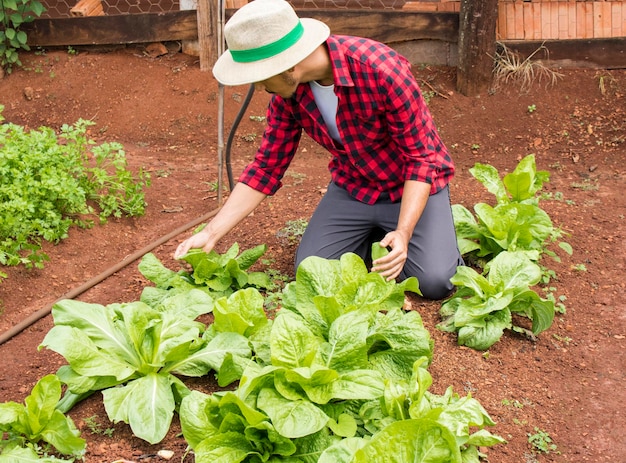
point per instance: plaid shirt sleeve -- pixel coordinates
(278, 146)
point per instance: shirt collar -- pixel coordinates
(341, 69)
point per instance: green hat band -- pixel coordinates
(269, 50)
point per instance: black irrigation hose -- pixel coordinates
(231, 135)
(30, 320)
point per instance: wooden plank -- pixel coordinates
(108, 30)
(510, 20)
(518, 20)
(208, 17)
(571, 20)
(616, 20)
(384, 25)
(606, 53)
(584, 20)
(601, 19)
(563, 25)
(554, 20)
(501, 27)
(545, 20)
(389, 26)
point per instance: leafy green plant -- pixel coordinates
(133, 352)
(293, 230)
(13, 14)
(515, 223)
(217, 274)
(483, 307)
(541, 441)
(24, 426)
(343, 363)
(51, 183)
(94, 427)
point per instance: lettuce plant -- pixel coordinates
(515, 223)
(339, 336)
(218, 274)
(133, 352)
(483, 307)
(413, 424)
(23, 426)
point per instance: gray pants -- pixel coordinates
(342, 224)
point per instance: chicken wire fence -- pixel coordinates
(61, 8)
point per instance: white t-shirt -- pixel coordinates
(326, 101)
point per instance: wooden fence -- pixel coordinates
(404, 27)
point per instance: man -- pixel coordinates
(358, 99)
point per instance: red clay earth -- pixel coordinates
(568, 383)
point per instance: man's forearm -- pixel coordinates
(414, 199)
(241, 202)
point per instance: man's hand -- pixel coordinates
(240, 203)
(197, 241)
(392, 264)
(414, 200)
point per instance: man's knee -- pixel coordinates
(435, 287)
(434, 284)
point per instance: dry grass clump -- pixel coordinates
(510, 68)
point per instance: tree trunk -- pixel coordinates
(477, 46)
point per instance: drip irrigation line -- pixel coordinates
(17, 329)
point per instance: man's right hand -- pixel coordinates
(240, 203)
(197, 241)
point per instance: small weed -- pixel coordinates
(250, 137)
(556, 196)
(586, 185)
(475, 147)
(579, 267)
(541, 441)
(71, 51)
(257, 118)
(293, 230)
(512, 403)
(428, 96)
(559, 303)
(273, 296)
(164, 173)
(532, 108)
(298, 178)
(563, 339)
(95, 427)
(509, 67)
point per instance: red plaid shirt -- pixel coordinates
(386, 128)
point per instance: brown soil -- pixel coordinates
(568, 383)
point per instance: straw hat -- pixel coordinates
(265, 38)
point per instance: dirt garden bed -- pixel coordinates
(568, 383)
